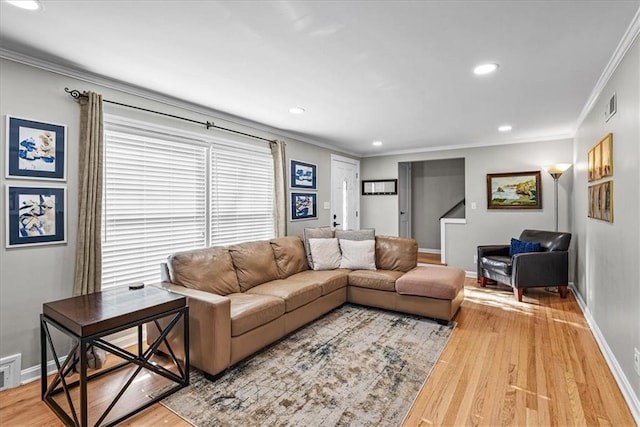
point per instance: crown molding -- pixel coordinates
(625, 44)
(120, 86)
(470, 146)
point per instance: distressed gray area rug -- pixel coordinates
(356, 366)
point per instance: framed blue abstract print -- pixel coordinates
(35, 150)
(304, 206)
(303, 175)
(35, 216)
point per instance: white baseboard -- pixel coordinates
(33, 373)
(623, 382)
(428, 251)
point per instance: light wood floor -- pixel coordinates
(426, 258)
(507, 363)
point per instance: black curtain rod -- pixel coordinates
(76, 94)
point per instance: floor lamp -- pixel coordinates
(556, 172)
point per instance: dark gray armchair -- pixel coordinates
(550, 267)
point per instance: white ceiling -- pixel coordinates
(395, 71)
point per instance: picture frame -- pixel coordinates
(606, 193)
(600, 201)
(606, 155)
(303, 175)
(35, 149)
(600, 159)
(514, 190)
(35, 216)
(375, 187)
(304, 206)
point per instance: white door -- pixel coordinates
(345, 199)
(404, 199)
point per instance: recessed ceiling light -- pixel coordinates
(25, 4)
(505, 128)
(377, 143)
(485, 68)
(296, 110)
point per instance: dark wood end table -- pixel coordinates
(87, 320)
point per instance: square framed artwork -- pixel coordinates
(35, 150)
(304, 206)
(35, 216)
(303, 175)
(514, 190)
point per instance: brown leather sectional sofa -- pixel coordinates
(243, 297)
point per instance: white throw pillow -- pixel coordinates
(358, 254)
(325, 253)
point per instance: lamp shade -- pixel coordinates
(557, 169)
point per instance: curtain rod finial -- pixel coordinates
(75, 94)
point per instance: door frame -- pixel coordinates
(405, 195)
(356, 163)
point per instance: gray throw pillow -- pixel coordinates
(364, 234)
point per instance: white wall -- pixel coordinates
(32, 276)
(436, 186)
(483, 226)
(608, 254)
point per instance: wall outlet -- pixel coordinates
(475, 259)
(636, 360)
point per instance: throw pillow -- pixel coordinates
(325, 253)
(315, 233)
(358, 254)
(364, 234)
(520, 246)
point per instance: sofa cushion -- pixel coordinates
(364, 234)
(330, 280)
(358, 254)
(315, 233)
(325, 253)
(290, 256)
(295, 292)
(433, 282)
(250, 311)
(209, 270)
(383, 280)
(396, 253)
(254, 263)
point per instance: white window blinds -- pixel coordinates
(153, 204)
(165, 192)
(242, 194)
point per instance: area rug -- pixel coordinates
(355, 366)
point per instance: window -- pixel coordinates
(166, 191)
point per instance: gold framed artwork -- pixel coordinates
(600, 159)
(600, 199)
(514, 190)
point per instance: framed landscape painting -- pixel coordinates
(35, 216)
(304, 206)
(35, 150)
(514, 190)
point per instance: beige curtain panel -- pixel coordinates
(280, 187)
(88, 270)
